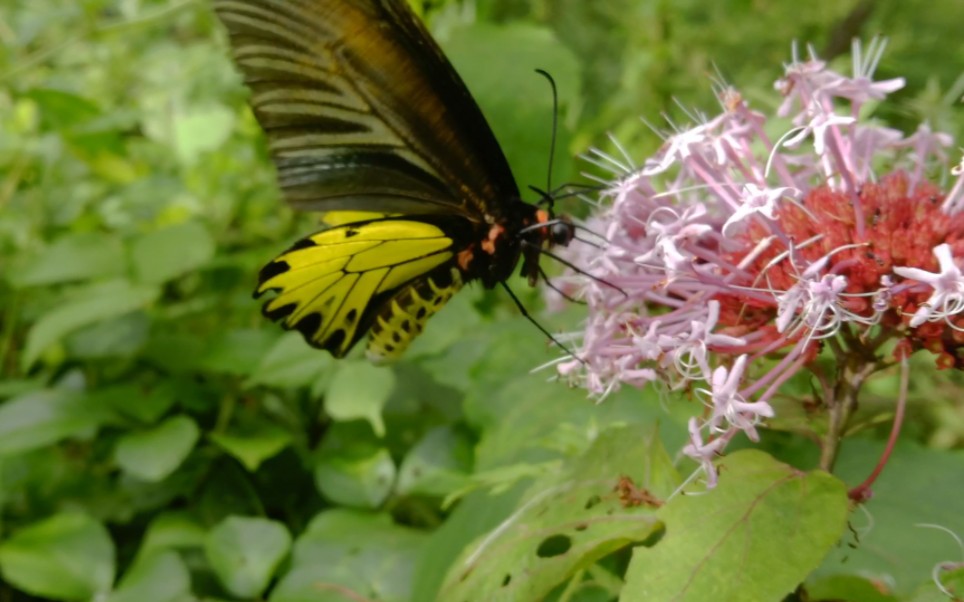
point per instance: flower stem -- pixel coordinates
(852, 376)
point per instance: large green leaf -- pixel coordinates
(756, 536)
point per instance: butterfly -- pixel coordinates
(369, 123)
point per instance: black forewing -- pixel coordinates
(363, 111)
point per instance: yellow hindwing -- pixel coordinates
(331, 284)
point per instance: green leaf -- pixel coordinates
(358, 474)
(476, 514)
(98, 302)
(41, 418)
(61, 110)
(291, 362)
(756, 536)
(133, 401)
(253, 444)
(154, 454)
(526, 417)
(170, 252)
(437, 465)
(119, 337)
(567, 521)
(73, 257)
(360, 390)
(65, 557)
(173, 530)
(235, 351)
(176, 352)
(847, 587)
(155, 577)
(348, 551)
(245, 552)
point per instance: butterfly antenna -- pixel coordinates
(574, 267)
(555, 125)
(582, 228)
(554, 195)
(586, 241)
(527, 316)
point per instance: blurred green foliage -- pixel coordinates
(160, 441)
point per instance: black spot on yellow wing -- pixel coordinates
(403, 318)
(304, 243)
(307, 326)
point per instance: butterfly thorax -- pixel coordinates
(498, 245)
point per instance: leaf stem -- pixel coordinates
(862, 492)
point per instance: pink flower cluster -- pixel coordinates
(741, 251)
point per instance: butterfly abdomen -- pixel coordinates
(402, 319)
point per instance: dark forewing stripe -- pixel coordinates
(329, 95)
(341, 129)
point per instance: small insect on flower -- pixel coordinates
(745, 253)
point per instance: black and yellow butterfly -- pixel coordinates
(364, 113)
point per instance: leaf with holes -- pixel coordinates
(756, 536)
(601, 502)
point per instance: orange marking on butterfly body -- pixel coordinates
(488, 245)
(465, 258)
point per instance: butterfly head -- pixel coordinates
(560, 230)
(548, 231)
